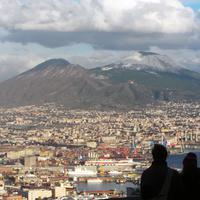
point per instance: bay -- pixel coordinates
(105, 186)
(175, 161)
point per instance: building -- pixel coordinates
(18, 153)
(2, 191)
(30, 161)
(39, 193)
(109, 139)
(59, 192)
(12, 197)
(92, 144)
(1, 183)
(6, 170)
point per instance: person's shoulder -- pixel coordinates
(174, 171)
(147, 171)
(198, 169)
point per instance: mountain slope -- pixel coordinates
(52, 81)
(59, 81)
(146, 61)
(157, 73)
(119, 85)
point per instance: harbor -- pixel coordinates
(107, 152)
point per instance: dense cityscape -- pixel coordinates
(52, 152)
(99, 99)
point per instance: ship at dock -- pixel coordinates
(114, 173)
(111, 162)
(83, 171)
(94, 180)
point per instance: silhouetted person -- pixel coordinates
(159, 181)
(191, 177)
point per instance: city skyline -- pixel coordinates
(99, 99)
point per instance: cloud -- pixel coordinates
(105, 24)
(98, 58)
(164, 26)
(106, 40)
(189, 58)
(163, 16)
(11, 65)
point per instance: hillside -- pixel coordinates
(148, 79)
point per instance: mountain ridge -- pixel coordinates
(59, 81)
(148, 61)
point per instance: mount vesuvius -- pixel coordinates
(142, 78)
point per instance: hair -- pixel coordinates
(192, 155)
(159, 152)
(190, 160)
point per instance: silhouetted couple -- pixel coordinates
(159, 182)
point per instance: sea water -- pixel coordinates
(175, 161)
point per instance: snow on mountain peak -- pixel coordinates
(135, 57)
(149, 61)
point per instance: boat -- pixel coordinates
(115, 173)
(82, 172)
(95, 180)
(102, 197)
(111, 162)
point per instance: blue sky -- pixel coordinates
(193, 4)
(94, 33)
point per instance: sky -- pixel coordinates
(96, 32)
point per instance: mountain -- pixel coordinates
(142, 78)
(159, 74)
(146, 61)
(55, 80)
(59, 81)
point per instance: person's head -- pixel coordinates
(190, 160)
(159, 153)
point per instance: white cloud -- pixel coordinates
(163, 16)
(105, 24)
(11, 64)
(187, 57)
(98, 58)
